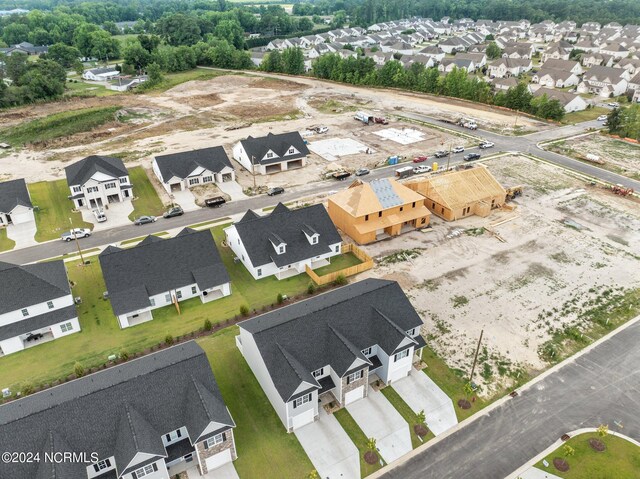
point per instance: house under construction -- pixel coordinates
(457, 194)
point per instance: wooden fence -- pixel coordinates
(367, 263)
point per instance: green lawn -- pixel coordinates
(124, 37)
(407, 413)
(82, 88)
(358, 438)
(146, 200)
(54, 209)
(101, 336)
(620, 460)
(6, 243)
(264, 447)
(337, 263)
(585, 115)
(58, 125)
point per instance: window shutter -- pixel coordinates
(348, 379)
(206, 444)
(168, 437)
(96, 468)
(179, 433)
(294, 404)
(155, 467)
(134, 475)
(224, 436)
(108, 462)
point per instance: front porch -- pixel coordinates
(138, 318)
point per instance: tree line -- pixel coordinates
(625, 122)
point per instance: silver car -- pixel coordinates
(76, 233)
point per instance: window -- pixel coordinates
(109, 186)
(314, 240)
(25, 312)
(400, 355)
(413, 205)
(337, 248)
(433, 206)
(50, 304)
(354, 376)
(152, 301)
(379, 214)
(411, 332)
(92, 189)
(207, 179)
(367, 352)
(259, 272)
(212, 441)
(302, 400)
(281, 249)
(269, 155)
(179, 294)
(194, 181)
(66, 327)
(102, 465)
(172, 436)
(145, 471)
(167, 297)
(318, 372)
(77, 189)
(291, 151)
(123, 180)
(366, 217)
(402, 208)
(423, 221)
(194, 290)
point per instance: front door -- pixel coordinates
(9, 221)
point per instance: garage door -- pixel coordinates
(398, 374)
(302, 419)
(354, 395)
(218, 460)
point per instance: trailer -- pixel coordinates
(404, 172)
(364, 117)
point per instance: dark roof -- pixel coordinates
(289, 226)
(181, 165)
(12, 194)
(331, 329)
(158, 265)
(257, 148)
(24, 286)
(80, 172)
(33, 323)
(115, 412)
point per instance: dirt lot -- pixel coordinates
(463, 279)
(619, 156)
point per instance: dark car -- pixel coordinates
(143, 220)
(215, 202)
(440, 154)
(171, 212)
(275, 191)
(471, 156)
(34, 337)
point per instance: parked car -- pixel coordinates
(440, 154)
(215, 202)
(602, 118)
(458, 149)
(171, 212)
(362, 171)
(34, 337)
(100, 216)
(76, 233)
(471, 156)
(486, 144)
(322, 129)
(341, 175)
(420, 159)
(143, 220)
(275, 191)
(614, 104)
(421, 169)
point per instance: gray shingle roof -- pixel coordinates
(256, 233)
(33, 323)
(182, 164)
(161, 392)
(12, 194)
(81, 171)
(331, 329)
(158, 265)
(257, 148)
(24, 286)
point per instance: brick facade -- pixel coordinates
(355, 384)
(203, 453)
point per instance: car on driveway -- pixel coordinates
(171, 212)
(471, 156)
(421, 169)
(614, 104)
(143, 220)
(100, 216)
(76, 233)
(602, 118)
(440, 154)
(362, 171)
(458, 149)
(420, 159)
(486, 144)
(275, 191)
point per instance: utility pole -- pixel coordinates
(449, 157)
(253, 172)
(75, 236)
(475, 357)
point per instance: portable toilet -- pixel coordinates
(392, 160)
(434, 167)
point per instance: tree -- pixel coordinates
(136, 55)
(576, 54)
(422, 418)
(489, 38)
(614, 120)
(82, 38)
(339, 19)
(518, 97)
(317, 19)
(568, 450)
(149, 42)
(15, 33)
(550, 109)
(372, 444)
(293, 61)
(15, 66)
(154, 75)
(65, 55)
(603, 430)
(493, 51)
(305, 25)
(103, 45)
(111, 27)
(272, 62)
(231, 31)
(179, 29)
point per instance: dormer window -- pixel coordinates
(314, 239)
(281, 249)
(291, 151)
(411, 333)
(269, 155)
(318, 372)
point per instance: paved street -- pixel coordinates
(600, 387)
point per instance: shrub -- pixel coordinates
(341, 280)
(371, 444)
(78, 369)
(207, 325)
(168, 339)
(311, 288)
(124, 355)
(280, 298)
(244, 310)
(26, 389)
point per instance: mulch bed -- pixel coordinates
(560, 464)
(420, 430)
(464, 404)
(370, 457)
(597, 444)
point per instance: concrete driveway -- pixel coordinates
(422, 394)
(379, 419)
(228, 471)
(117, 215)
(23, 234)
(329, 448)
(185, 199)
(233, 189)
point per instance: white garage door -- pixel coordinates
(398, 374)
(302, 419)
(218, 460)
(354, 395)
(21, 217)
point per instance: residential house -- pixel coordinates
(504, 83)
(101, 74)
(160, 272)
(368, 212)
(504, 67)
(98, 180)
(518, 50)
(552, 78)
(151, 417)
(284, 242)
(256, 57)
(586, 44)
(330, 347)
(616, 50)
(569, 101)
(596, 59)
(449, 64)
(479, 59)
(397, 47)
(36, 305)
(25, 48)
(557, 50)
(179, 171)
(272, 153)
(15, 203)
(457, 194)
(632, 65)
(125, 83)
(565, 65)
(453, 44)
(434, 52)
(604, 81)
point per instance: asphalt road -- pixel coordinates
(599, 387)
